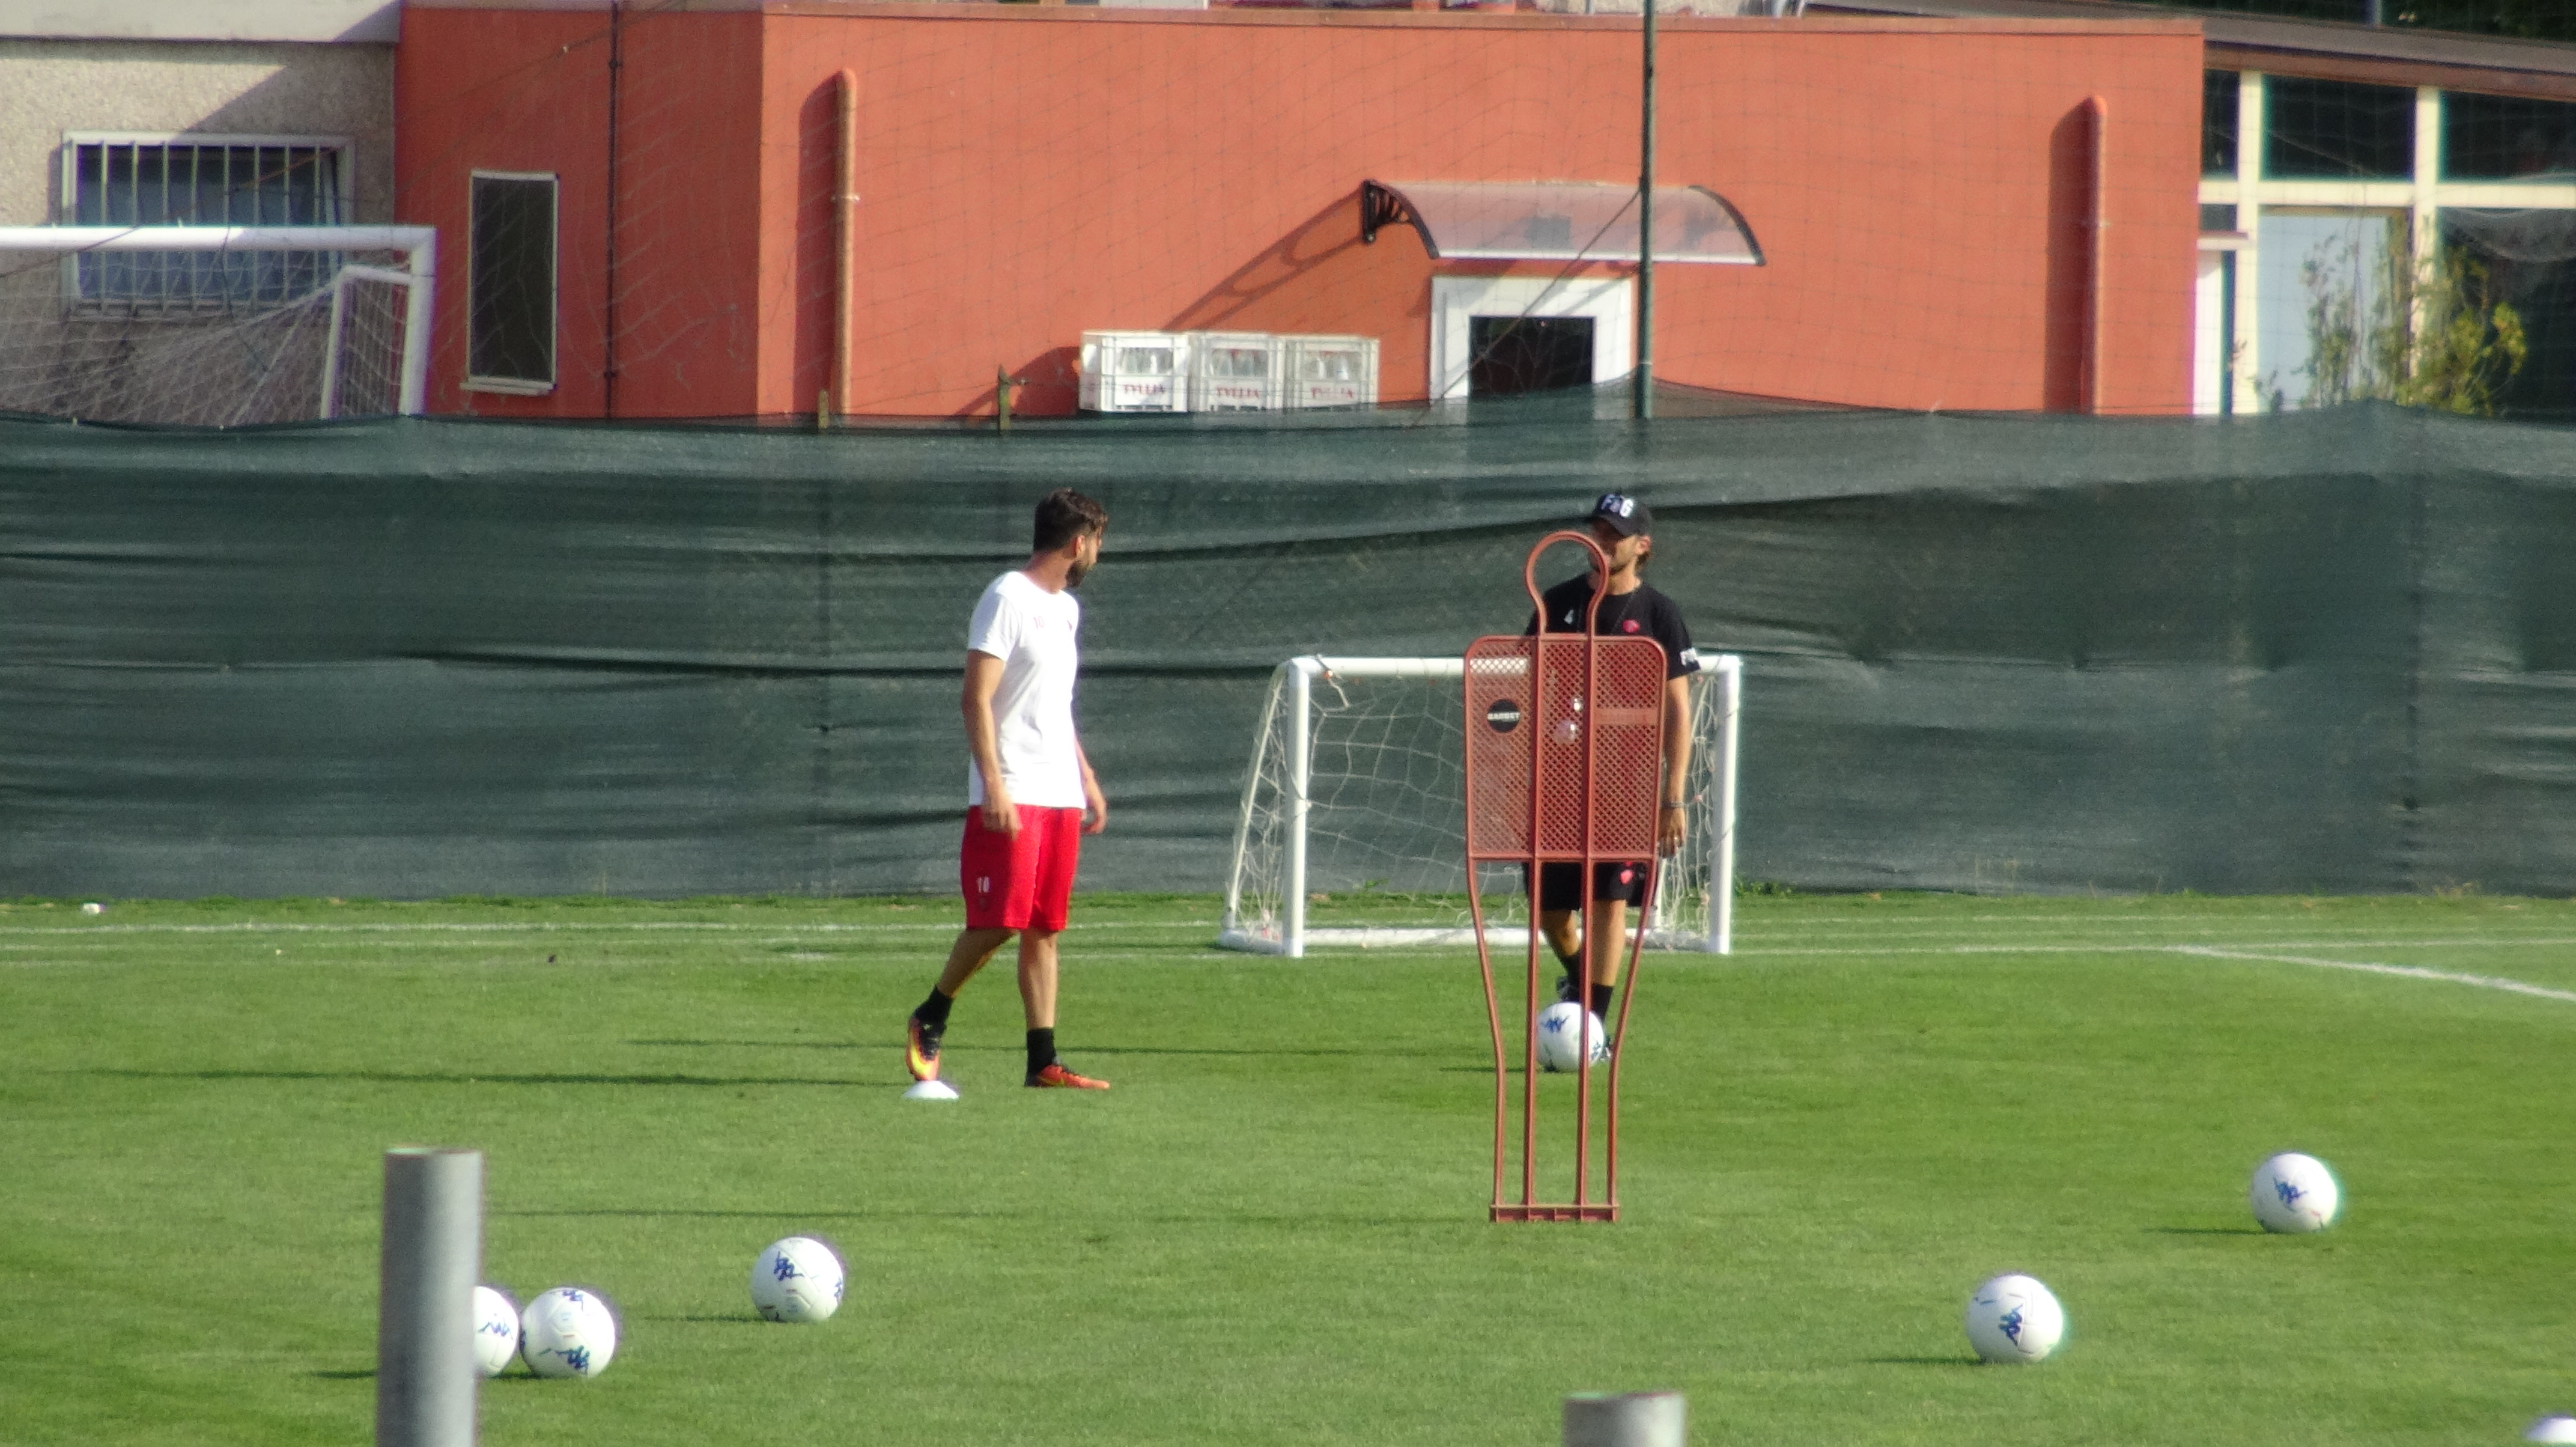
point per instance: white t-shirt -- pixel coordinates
(1032, 631)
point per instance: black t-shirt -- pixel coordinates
(1643, 611)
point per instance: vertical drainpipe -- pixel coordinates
(845, 240)
(2096, 250)
(608, 320)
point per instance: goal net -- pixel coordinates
(1354, 808)
(212, 325)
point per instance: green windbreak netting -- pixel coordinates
(2317, 651)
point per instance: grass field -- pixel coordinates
(1272, 1230)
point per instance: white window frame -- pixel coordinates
(344, 150)
(2422, 196)
(518, 386)
(1609, 300)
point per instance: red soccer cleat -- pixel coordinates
(921, 1049)
(1056, 1077)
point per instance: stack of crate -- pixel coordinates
(1167, 372)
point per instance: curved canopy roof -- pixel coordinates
(1557, 221)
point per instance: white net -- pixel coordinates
(218, 338)
(1380, 842)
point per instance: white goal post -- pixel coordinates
(1352, 827)
(215, 325)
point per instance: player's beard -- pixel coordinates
(1075, 572)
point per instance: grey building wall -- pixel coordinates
(52, 85)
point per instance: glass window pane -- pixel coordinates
(2524, 260)
(2218, 96)
(2331, 308)
(2217, 218)
(2336, 129)
(511, 317)
(2498, 138)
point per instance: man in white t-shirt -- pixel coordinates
(1030, 793)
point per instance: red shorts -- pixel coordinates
(1023, 880)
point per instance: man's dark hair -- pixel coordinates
(1064, 515)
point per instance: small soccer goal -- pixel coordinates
(215, 325)
(1354, 810)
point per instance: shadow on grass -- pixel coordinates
(2203, 1231)
(395, 1077)
(1964, 1362)
(768, 1044)
(365, 1375)
(644, 1213)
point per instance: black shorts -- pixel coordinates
(1558, 883)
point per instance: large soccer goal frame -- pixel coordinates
(415, 247)
(1281, 899)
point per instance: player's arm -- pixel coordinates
(1670, 823)
(983, 679)
(1095, 805)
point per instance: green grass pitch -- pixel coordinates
(1271, 1231)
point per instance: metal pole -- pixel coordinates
(1645, 373)
(1626, 1419)
(1721, 823)
(1301, 694)
(433, 1251)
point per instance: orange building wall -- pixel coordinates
(527, 90)
(1922, 190)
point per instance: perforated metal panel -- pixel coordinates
(1593, 747)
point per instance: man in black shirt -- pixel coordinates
(1623, 526)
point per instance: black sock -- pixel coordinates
(1041, 1049)
(1573, 965)
(1601, 1002)
(934, 1011)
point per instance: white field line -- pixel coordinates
(2412, 972)
(712, 926)
(2116, 948)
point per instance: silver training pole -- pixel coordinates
(1645, 398)
(1721, 814)
(433, 1251)
(1624, 1419)
(1301, 769)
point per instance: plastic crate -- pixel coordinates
(1331, 371)
(1235, 371)
(1135, 372)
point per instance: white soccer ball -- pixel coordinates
(1558, 1047)
(2294, 1193)
(2552, 1429)
(799, 1279)
(2013, 1318)
(568, 1332)
(496, 1331)
(93, 907)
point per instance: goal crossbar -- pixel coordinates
(1288, 728)
(418, 244)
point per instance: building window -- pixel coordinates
(2218, 102)
(2337, 129)
(2504, 138)
(125, 180)
(510, 316)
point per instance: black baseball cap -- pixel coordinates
(1626, 516)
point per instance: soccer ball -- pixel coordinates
(2294, 1193)
(496, 1331)
(1558, 1049)
(2013, 1318)
(798, 1279)
(568, 1332)
(2552, 1429)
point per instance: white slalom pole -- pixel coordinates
(1301, 769)
(433, 1251)
(1721, 814)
